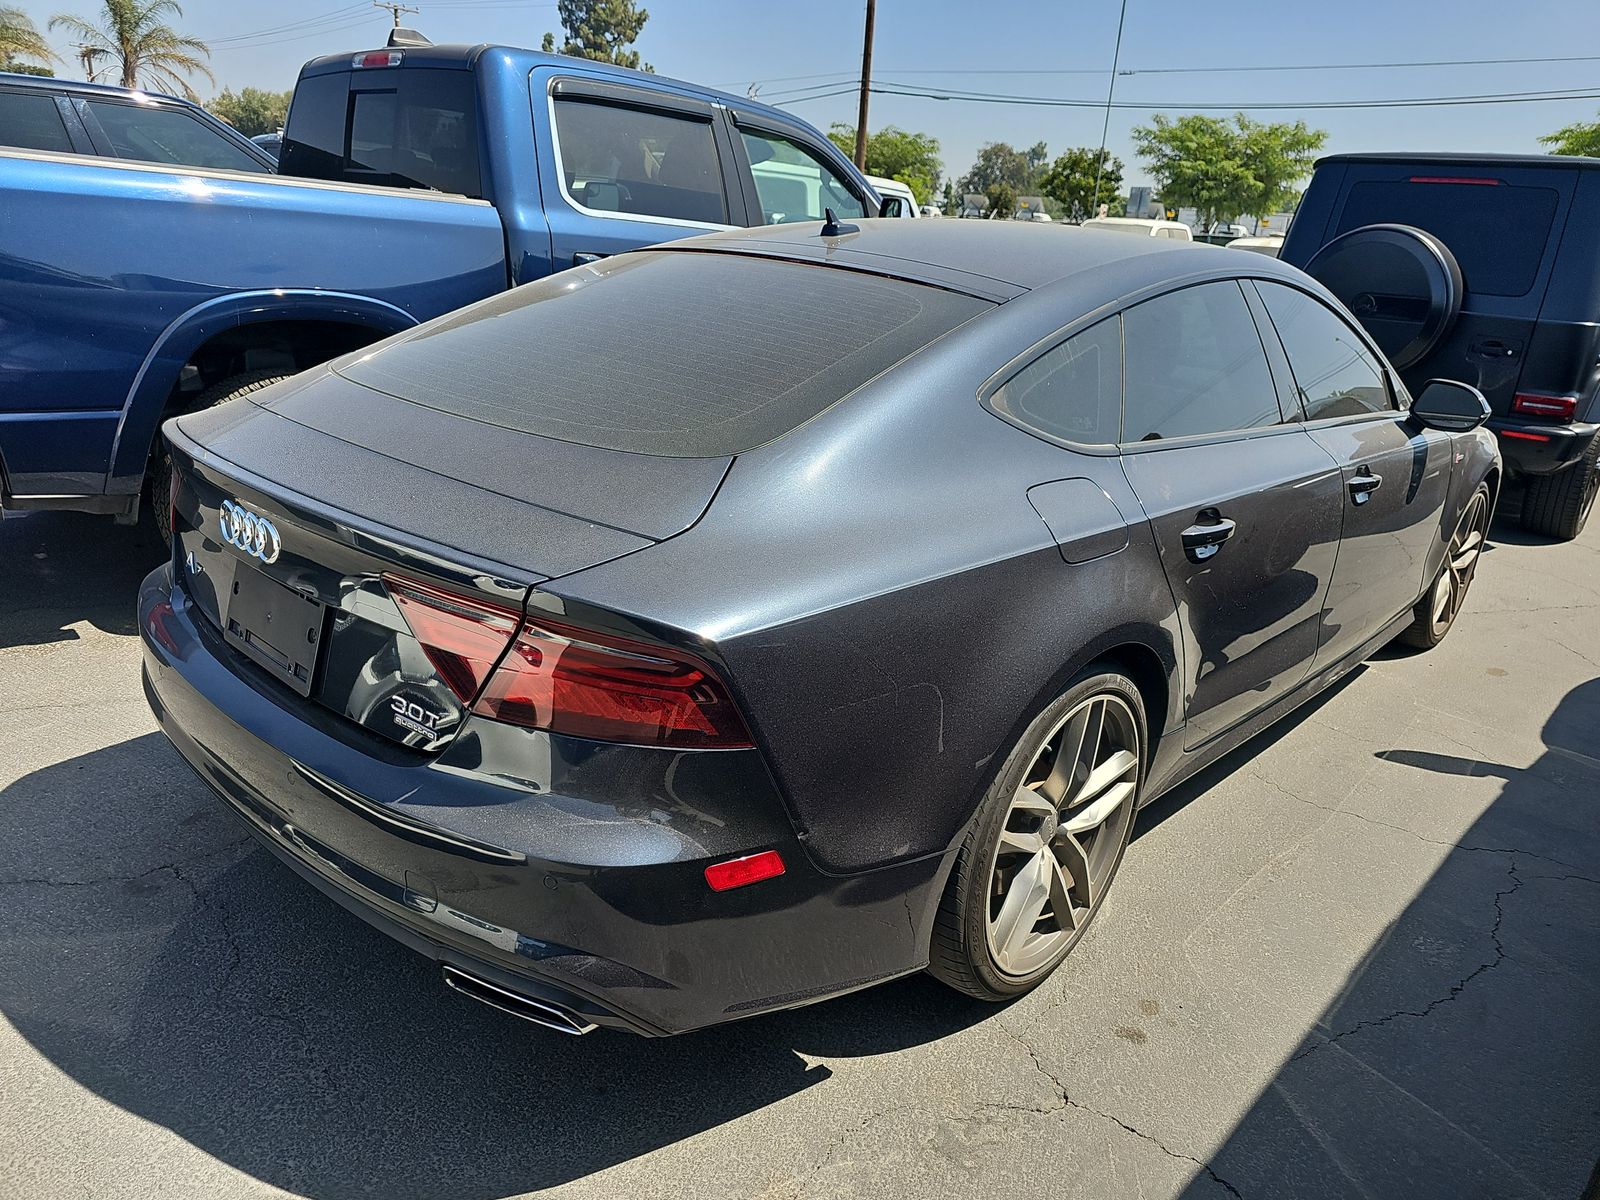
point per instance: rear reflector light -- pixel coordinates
(570, 681)
(1524, 437)
(1540, 404)
(738, 872)
(1455, 179)
(378, 58)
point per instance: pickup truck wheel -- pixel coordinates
(160, 475)
(1558, 505)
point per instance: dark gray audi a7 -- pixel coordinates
(724, 626)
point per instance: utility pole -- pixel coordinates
(396, 9)
(866, 87)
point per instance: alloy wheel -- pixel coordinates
(1450, 590)
(1063, 834)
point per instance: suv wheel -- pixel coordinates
(1558, 505)
(1045, 844)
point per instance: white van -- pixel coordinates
(1176, 231)
(893, 189)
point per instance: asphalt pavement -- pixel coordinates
(1359, 957)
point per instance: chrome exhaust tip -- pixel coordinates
(540, 1012)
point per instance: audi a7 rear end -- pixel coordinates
(641, 643)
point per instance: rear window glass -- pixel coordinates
(672, 353)
(167, 135)
(32, 122)
(1497, 233)
(413, 127)
(629, 160)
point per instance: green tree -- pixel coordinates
(602, 30)
(1225, 169)
(251, 111)
(150, 53)
(996, 163)
(21, 39)
(948, 203)
(1069, 181)
(1002, 196)
(1581, 137)
(911, 158)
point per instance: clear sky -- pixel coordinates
(1057, 48)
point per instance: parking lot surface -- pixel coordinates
(1357, 958)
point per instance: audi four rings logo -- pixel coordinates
(256, 536)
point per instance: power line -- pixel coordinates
(1111, 89)
(893, 89)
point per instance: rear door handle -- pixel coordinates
(583, 259)
(1362, 486)
(1202, 540)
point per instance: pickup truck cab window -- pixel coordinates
(794, 184)
(1334, 374)
(31, 121)
(616, 158)
(158, 134)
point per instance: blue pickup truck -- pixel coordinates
(412, 180)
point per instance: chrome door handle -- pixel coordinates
(1362, 486)
(1204, 539)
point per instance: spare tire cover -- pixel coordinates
(1401, 282)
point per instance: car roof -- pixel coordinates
(79, 88)
(993, 259)
(463, 57)
(1468, 159)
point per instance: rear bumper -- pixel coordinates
(596, 904)
(1531, 448)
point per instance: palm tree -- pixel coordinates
(131, 33)
(20, 39)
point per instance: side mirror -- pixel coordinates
(892, 206)
(1450, 406)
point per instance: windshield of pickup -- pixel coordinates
(410, 127)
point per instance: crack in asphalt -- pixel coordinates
(1455, 989)
(1345, 812)
(173, 867)
(1068, 1102)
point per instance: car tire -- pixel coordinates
(1014, 905)
(1558, 505)
(1435, 614)
(160, 473)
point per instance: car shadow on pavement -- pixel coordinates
(62, 568)
(157, 957)
(1462, 1055)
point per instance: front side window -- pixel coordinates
(31, 121)
(793, 184)
(167, 135)
(618, 159)
(1072, 392)
(1334, 374)
(1195, 365)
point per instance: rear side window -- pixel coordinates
(407, 127)
(672, 353)
(31, 121)
(1333, 372)
(1072, 392)
(1195, 365)
(619, 159)
(167, 135)
(793, 184)
(1496, 231)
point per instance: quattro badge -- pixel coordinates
(244, 530)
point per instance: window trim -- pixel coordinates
(1385, 371)
(687, 108)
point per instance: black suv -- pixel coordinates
(1482, 268)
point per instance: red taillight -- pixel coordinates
(1524, 437)
(1541, 404)
(566, 680)
(738, 872)
(378, 58)
(1467, 179)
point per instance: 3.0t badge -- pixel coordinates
(244, 530)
